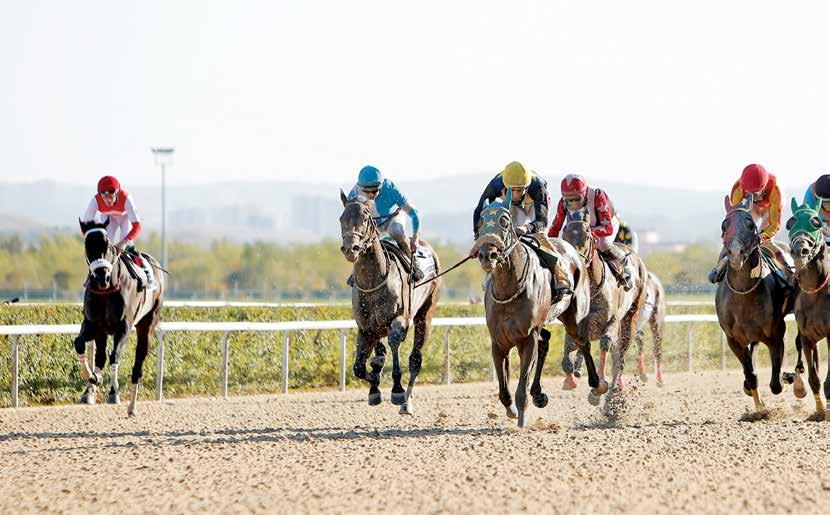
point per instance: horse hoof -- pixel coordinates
(747, 391)
(511, 412)
(96, 378)
(374, 399)
(521, 419)
(131, 413)
(660, 381)
(593, 398)
(577, 373)
(602, 388)
(541, 400)
(88, 397)
(112, 398)
(407, 409)
(398, 398)
(643, 378)
(568, 385)
(776, 388)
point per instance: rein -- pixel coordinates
(757, 283)
(371, 234)
(522, 283)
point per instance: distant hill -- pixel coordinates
(294, 212)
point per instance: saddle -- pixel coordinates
(392, 247)
(132, 262)
(548, 258)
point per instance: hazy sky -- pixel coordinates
(660, 92)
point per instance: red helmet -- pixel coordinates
(754, 178)
(108, 183)
(573, 185)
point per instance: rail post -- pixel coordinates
(160, 367)
(285, 343)
(689, 350)
(225, 364)
(15, 371)
(342, 360)
(447, 378)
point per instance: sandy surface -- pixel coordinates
(679, 448)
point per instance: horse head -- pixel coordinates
(100, 254)
(577, 232)
(739, 232)
(805, 231)
(357, 227)
(496, 236)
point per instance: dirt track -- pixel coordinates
(682, 447)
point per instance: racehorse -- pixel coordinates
(385, 302)
(614, 313)
(519, 302)
(112, 306)
(812, 304)
(750, 301)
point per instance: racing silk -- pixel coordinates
(601, 214)
(766, 209)
(533, 210)
(124, 223)
(389, 200)
(811, 199)
(627, 237)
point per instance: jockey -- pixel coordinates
(387, 206)
(577, 196)
(820, 190)
(626, 236)
(116, 205)
(762, 186)
(529, 209)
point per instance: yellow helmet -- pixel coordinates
(515, 175)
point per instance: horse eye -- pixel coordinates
(724, 225)
(505, 224)
(790, 224)
(816, 221)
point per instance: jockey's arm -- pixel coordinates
(774, 218)
(605, 226)
(90, 212)
(132, 215)
(559, 221)
(540, 208)
(413, 215)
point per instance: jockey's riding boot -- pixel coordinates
(417, 273)
(617, 260)
(150, 276)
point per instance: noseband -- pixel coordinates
(592, 244)
(102, 262)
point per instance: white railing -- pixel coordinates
(16, 331)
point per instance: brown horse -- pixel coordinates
(518, 304)
(614, 312)
(385, 302)
(812, 304)
(750, 302)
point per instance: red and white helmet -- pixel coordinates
(754, 178)
(573, 185)
(108, 183)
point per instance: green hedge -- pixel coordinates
(49, 371)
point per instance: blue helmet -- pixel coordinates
(369, 178)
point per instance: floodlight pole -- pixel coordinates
(164, 157)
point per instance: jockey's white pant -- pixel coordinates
(394, 227)
(607, 242)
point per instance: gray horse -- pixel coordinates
(750, 301)
(812, 304)
(615, 313)
(519, 302)
(653, 313)
(385, 302)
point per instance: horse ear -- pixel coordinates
(793, 204)
(343, 198)
(508, 198)
(727, 203)
(107, 222)
(82, 224)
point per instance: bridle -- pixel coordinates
(755, 248)
(815, 250)
(102, 262)
(368, 231)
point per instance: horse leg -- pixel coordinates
(568, 365)
(746, 356)
(377, 364)
(540, 399)
(397, 334)
(423, 326)
(776, 355)
(119, 341)
(527, 360)
(604, 344)
(86, 334)
(657, 336)
(641, 361)
(827, 377)
(143, 331)
(798, 384)
(502, 366)
(811, 354)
